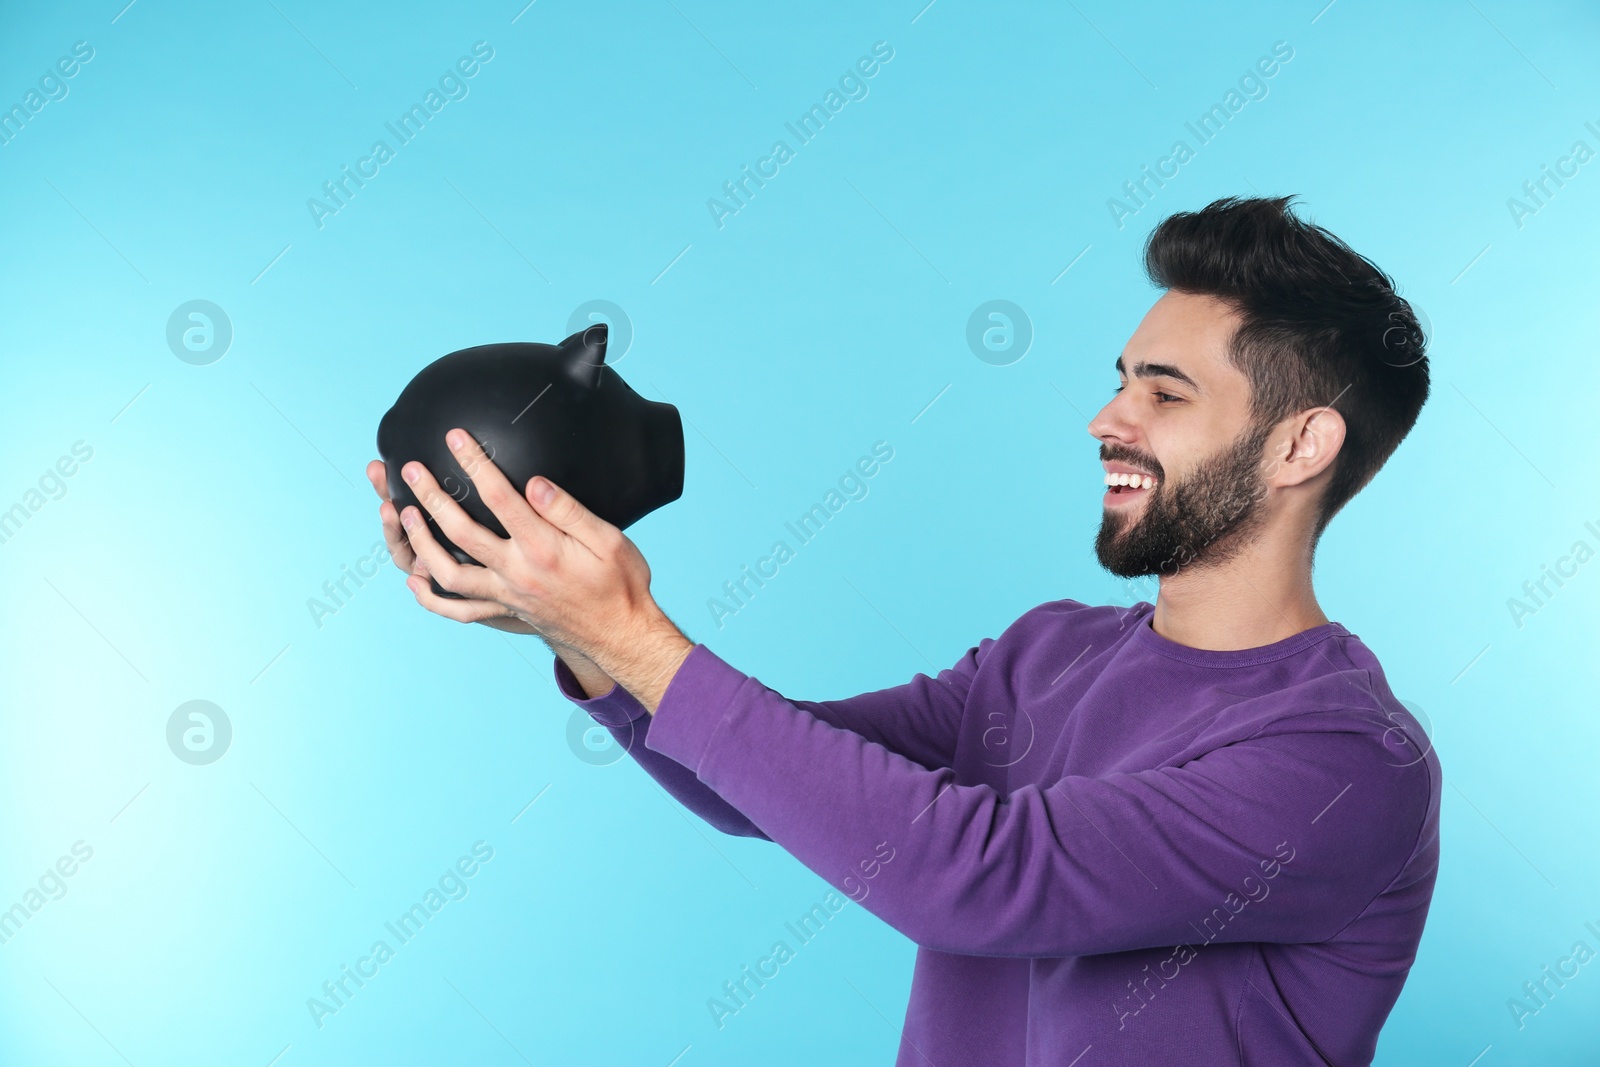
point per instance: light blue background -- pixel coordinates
(372, 751)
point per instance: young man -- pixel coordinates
(1200, 831)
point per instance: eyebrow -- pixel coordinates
(1143, 369)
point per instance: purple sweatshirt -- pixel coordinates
(1109, 848)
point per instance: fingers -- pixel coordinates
(499, 495)
(470, 581)
(561, 509)
(378, 475)
(479, 543)
(400, 549)
(459, 610)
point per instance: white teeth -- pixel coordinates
(1140, 481)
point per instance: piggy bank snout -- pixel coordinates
(663, 445)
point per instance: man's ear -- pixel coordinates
(1309, 445)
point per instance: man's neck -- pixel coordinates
(1260, 596)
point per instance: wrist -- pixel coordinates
(646, 665)
(591, 679)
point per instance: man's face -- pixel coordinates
(1182, 417)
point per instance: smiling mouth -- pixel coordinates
(1123, 488)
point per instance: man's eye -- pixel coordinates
(1165, 397)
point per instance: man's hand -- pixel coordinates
(489, 613)
(576, 579)
(592, 679)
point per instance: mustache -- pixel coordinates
(1133, 461)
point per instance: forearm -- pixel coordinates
(641, 657)
(644, 657)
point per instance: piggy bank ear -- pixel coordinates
(585, 355)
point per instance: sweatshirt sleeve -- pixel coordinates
(629, 724)
(919, 721)
(1284, 837)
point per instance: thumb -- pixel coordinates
(562, 510)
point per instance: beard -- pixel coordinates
(1205, 518)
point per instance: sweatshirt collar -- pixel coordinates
(1145, 637)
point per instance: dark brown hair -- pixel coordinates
(1321, 326)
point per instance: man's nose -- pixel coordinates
(1108, 421)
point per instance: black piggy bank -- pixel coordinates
(555, 410)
